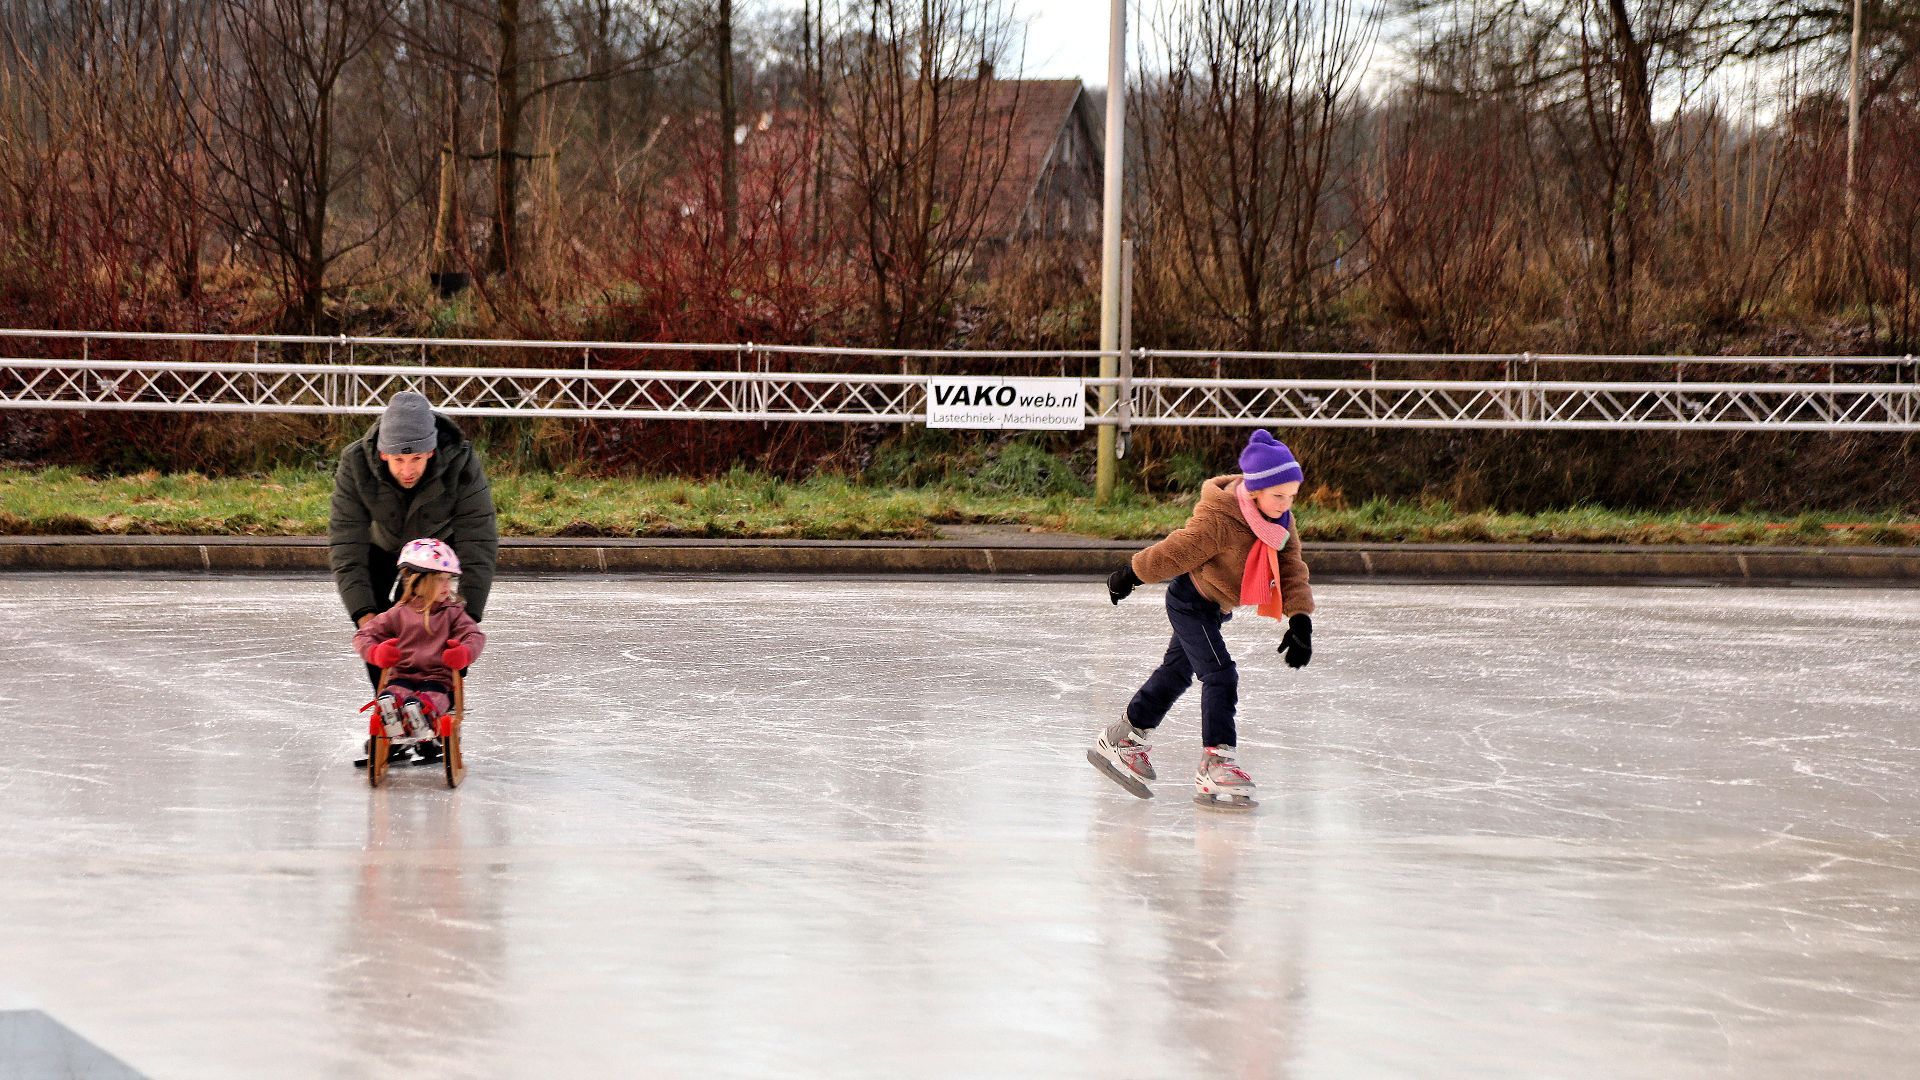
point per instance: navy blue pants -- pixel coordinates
(1197, 649)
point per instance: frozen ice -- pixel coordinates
(810, 827)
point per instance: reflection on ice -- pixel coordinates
(824, 827)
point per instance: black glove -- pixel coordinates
(1297, 644)
(1121, 582)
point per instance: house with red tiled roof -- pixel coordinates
(1047, 186)
(1050, 187)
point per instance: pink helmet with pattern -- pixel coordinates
(430, 555)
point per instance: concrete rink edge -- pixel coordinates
(1545, 564)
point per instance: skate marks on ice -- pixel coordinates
(1643, 711)
(837, 827)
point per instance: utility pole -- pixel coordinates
(1110, 219)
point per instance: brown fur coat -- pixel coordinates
(1212, 546)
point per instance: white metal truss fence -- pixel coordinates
(359, 375)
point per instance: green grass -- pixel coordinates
(1437, 522)
(742, 504)
(739, 504)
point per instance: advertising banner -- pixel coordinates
(985, 401)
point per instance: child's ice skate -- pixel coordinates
(391, 723)
(1220, 783)
(411, 735)
(1121, 752)
(427, 751)
(390, 716)
(417, 743)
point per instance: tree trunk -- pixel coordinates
(504, 241)
(603, 88)
(1636, 95)
(1640, 173)
(729, 123)
(446, 216)
(814, 36)
(313, 275)
(189, 233)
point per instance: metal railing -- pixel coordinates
(589, 380)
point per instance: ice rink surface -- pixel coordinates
(785, 827)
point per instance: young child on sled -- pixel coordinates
(1238, 548)
(420, 642)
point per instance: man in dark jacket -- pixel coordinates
(412, 476)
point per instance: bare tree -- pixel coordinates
(522, 51)
(1732, 224)
(921, 142)
(437, 114)
(1582, 77)
(280, 156)
(92, 147)
(1437, 210)
(1243, 141)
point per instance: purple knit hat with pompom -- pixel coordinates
(1266, 461)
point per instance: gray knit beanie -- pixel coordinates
(407, 425)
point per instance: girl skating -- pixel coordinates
(1239, 547)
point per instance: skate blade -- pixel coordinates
(1133, 784)
(405, 761)
(1229, 804)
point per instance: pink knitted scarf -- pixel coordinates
(1260, 583)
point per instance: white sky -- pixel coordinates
(1067, 39)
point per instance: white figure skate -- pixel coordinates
(390, 716)
(391, 723)
(1121, 752)
(1220, 783)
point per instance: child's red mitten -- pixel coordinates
(384, 655)
(458, 656)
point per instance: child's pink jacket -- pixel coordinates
(421, 641)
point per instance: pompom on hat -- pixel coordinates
(1266, 461)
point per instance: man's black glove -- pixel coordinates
(1121, 582)
(1297, 644)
